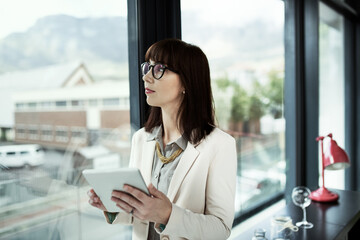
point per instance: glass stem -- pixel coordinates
(304, 215)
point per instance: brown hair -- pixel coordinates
(196, 111)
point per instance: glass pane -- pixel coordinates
(243, 41)
(331, 86)
(63, 72)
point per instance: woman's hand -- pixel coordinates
(154, 208)
(95, 201)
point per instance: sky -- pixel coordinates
(19, 15)
(231, 14)
(236, 12)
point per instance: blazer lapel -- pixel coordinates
(147, 159)
(185, 163)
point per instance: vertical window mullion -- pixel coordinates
(148, 22)
(301, 93)
(311, 67)
(350, 109)
(294, 94)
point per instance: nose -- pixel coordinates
(148, 77)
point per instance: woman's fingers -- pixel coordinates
(91, 192)
(95, 204)
(95, 201)
(93, 197)
(135, 192)
(155, 208)
(131, 200)
(122, 197)
(123, 205)
(154, 192)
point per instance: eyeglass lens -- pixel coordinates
(157, 69)
(145, 68)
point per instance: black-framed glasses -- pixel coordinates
(157, 69)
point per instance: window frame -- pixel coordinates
(153, 20)
(302, 90)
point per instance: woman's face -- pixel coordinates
(165, 92)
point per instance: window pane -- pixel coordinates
(111, 101)
(60, 104)
(331, 86)
(243, 41)
(59, 60)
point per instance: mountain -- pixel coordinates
(102, 43)
(254, 41)
(62, 38)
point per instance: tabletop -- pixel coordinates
(332, 221)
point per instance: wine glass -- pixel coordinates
(301, 197)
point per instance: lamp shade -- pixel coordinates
(335, 158)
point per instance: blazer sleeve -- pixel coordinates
(216, 222)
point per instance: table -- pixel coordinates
(332, 221)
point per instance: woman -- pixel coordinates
(189, 164)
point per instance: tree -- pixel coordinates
(238, 98)
(245, 107)
(256, 105)
(223, 83)
(239, 104)
(274, 94)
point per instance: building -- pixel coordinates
(75, 112)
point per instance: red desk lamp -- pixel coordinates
(333, 158)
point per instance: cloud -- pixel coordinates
(237, 13)
(19, 15)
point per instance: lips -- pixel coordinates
(148, 91)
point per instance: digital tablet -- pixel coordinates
(104, 181)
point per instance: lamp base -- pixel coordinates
(323, 195)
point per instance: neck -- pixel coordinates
(170, 126)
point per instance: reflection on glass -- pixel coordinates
(243, 41)
(63, 72)
(331, 85)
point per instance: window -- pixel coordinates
(65, 50)
(60, 104)
(331, 85)
(20, 106)
(20, 132)
(78, 135)
(57, 60)
(77, 103)
(32, 105)
(10, 153)
(33, 132)
(46, 133)
(111, 101)
(247, 74)
(61, 134)
(46, 105)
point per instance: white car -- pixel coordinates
(21, 155)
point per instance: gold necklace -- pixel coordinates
(164, 159)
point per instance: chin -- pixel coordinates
(151, 103)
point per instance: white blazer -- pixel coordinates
(202, 188)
